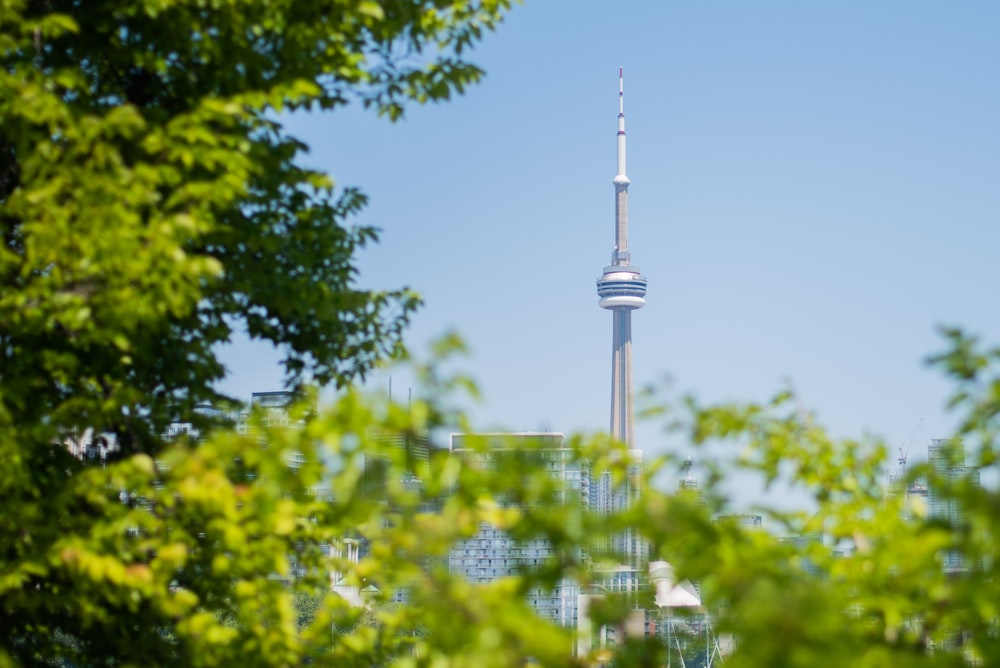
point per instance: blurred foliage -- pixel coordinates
(222, 553)
(151, 204)
(874, 576)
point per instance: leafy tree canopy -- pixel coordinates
(150, 203)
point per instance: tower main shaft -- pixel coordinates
(621, 290)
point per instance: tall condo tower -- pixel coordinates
(621, 290)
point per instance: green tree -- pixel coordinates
(151, 203)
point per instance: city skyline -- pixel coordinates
(818, 193)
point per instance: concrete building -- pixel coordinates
(415, 450)
(744, 520)
(91, 447)
(492, 553)
(948, 471)
(274, 407)
(190, 426)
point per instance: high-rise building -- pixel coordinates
(744, 520)
(946, 459)
(274, 408)
(415, 449)
(493, 553)
(689, 485)
(937, 489)
(900, 482)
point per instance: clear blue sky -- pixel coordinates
(815, 187)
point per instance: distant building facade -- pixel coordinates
(947, 470)
(492, 553)
(946, 460)
(744, 520)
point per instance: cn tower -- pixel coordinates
(621, 290)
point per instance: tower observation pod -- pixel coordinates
(621, 289)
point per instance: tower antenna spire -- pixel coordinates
(620, 178)
(621, 95)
